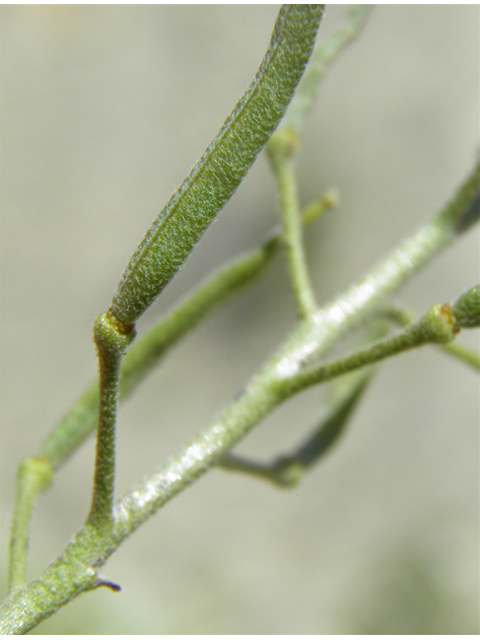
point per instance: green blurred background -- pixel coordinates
(104, 111)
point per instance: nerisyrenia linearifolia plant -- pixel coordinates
(271, 114)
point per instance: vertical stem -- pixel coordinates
(34, 475)
(111, 338)
(280, 149)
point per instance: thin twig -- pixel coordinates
(280, 150)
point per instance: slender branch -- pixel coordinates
(111, 340)
(436, 326)
(403, 317)
(330, 199)
(74, 572)
(266, 391)
(34, 476)
(365, 298)
(280, 149)
(325, 53)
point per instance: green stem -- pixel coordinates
(285, 471)
(268, 389)
(34, 476)
(276, 382)
(74, 572)
(111, 343)
(280, 149)
(284, 374)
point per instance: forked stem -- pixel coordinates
(436, 326)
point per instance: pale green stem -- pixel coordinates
(271, 386)
(74, 572)
(329, 200)
(364, 299)
(308, 340)
(280, 149)
(34, 475)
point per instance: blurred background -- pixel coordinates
(104, 111)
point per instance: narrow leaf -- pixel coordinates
(222, 167)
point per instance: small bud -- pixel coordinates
(438, 324)
(329, 200)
